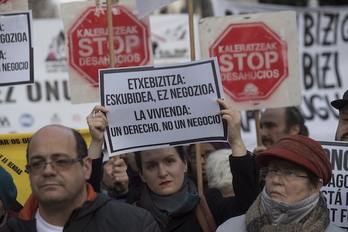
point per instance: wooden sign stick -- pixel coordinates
(193, 58)
(111, 42)
(257, 126)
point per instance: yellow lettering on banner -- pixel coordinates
(13, 159)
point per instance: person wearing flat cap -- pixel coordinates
(8, 195)
(294, 170)
(342, 127)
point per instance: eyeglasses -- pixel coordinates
(58, 165)
(270, 173)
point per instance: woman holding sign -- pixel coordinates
(172, 197)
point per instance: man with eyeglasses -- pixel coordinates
(61, 199)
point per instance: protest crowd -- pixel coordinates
(201, 186)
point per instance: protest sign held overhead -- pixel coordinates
(258, 58)
(145, 7)
(16, 48)
(13, 5)
(86, 30)
(164, 105)
(335, 192)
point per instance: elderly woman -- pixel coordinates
(206, 149)
(294, 170)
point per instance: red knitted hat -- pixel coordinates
(303, 151)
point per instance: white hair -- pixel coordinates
(218, 170)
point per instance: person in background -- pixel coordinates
(277, 123)
(294, 171)
(119, 177)
(58, 165)
(342, 127)
(206, 149)
(219, 173)
(8, 195)
(123, 170)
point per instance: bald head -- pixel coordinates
(50, 134)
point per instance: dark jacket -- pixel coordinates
(183, 223)
(98, 213)
(246, 186)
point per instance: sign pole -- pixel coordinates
(193, 58)
(110, 34)
(191, 28)
(257, 126)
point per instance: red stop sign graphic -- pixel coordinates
(252, 60)
(88, 42)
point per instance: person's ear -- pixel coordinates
(318, 187)
(142, 177)
(295, 129)
(87, 166)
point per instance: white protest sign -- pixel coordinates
(258, 58)
(145, 7)
(336, 192)
(16, 48)
(164, 105)
(13, 5)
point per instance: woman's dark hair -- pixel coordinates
(179, 149)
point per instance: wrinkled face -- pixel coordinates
(53, 185)
(273, 126)
(342, 127)
(282, 190)
(206, 149)
(163, 170)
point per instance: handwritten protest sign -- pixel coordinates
(336, 192)
(158, 106)
(16, 48)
